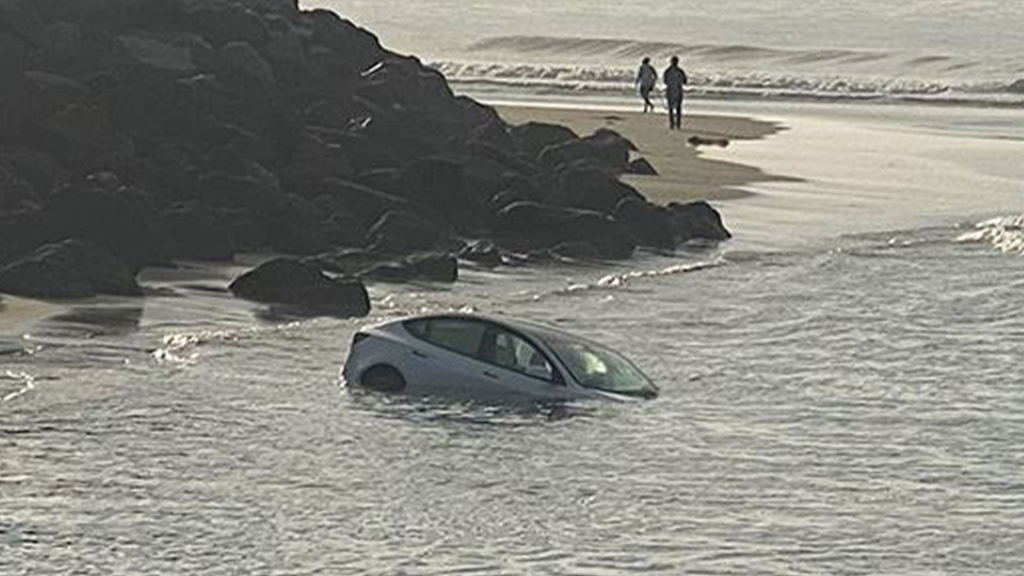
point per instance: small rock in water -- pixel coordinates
(291, 282)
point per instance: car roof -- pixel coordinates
(533, 329)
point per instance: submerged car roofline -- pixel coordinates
(517, 325)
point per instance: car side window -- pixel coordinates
(457, 335)
(509, 351)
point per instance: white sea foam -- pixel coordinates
(1005, 233)
(574, 65)
(23, 381)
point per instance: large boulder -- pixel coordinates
(365, 204)
(35, 167)
(16, 106)
(361, 48)
(533, 137)
(417, 97)
(224, 22)
(14, 190)
(156, 54)
(404, 231)
(545, 226)
(641, 167)
(590, 188)
(302, 227)
(440, 184)
(123, 219)
(608, 148)
(82, 137)
(240, 64)
(53, 92)
(198, 232)
(69, 269)
(256, 190)
(312, 160)
(22, 231)
(294, 283)
(696, 220)
(287, 53)
(649, 224)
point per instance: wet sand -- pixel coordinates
(16, 314)
(685, 171)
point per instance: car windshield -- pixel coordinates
(595, 366)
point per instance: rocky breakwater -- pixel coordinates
(149, 131)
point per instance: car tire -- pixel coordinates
(383, 378)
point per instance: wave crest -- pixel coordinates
(1006, 234)
(572, 65)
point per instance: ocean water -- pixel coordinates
(850, 410)
(936, 51)
(842, 382)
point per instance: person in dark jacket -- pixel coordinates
(674, 79)
(646, 78)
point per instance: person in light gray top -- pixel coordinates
(674, 79)
(646, 78)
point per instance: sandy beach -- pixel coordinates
(685, 173)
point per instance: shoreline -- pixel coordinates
(686, 173)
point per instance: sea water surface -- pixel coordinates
(842, 393)
(848, 404)
(964, 52)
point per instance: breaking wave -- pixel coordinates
(1006, 234)
(548, 65)
(14, 384)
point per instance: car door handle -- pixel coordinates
(419, 354)
(490, 375)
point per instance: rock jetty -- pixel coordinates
(149, 131)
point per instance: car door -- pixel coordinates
(517, 367)
(444, 359)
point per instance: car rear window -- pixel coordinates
(462, 336)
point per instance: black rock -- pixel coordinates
(198, 232)
(122, 218)
(69, 269)
(361, 48)
(291, 282)
(404, 231)
(482, 252)
(82, 137)
(696, 220)
(365, 204)
(590, 189)
(22, 231)
(240, 64)
(607, 147)
(533, 137)
(642, 167)
(432, 266)
(14, 190)
(649, 224)
(544, 226)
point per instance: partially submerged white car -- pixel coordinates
(477, 356)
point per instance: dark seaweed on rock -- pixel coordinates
(192, 129)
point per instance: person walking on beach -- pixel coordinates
(674, 79)
(646, 78)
